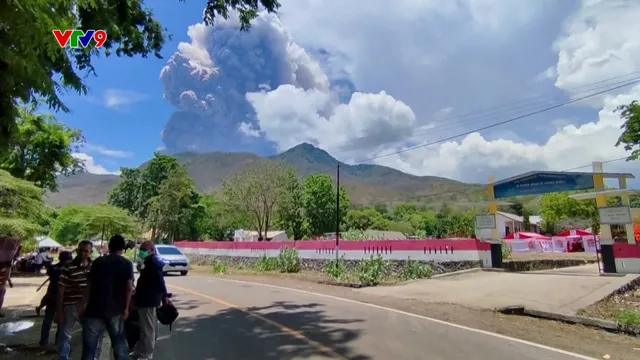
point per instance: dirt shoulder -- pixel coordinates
(578, 339)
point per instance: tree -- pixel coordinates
(559, 206)
(21, 208)
(526, 223)
(363, 219)
(219, 221)
(82, 222)
(34, 68)
(290, 213)
(630, 137)
(171, 210)
(127, 194)
(257, 190)
(403, 211)
(517, 207)
(41, 149)
(140, 185)
(319, 197)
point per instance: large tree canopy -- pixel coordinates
(83, 222)
(41, 149)
(630, 137)
(21, 208)
(34, 68)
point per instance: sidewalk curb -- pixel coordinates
(609, 326)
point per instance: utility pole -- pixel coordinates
(338, 211)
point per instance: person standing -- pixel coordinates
(72, 291)
(49, 299)
(110, 290)
(151, 292)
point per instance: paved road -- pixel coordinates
(226, 320)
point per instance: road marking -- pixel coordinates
(441, 322)
(298, 335)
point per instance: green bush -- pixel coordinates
(506, 250)
(628, 317)
(267, 263)
(219, 267)
(413, 270)
(373, 271)
(336, 268)
(289, 260)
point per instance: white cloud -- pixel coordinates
(91, 167)
(290, 115)
(116, 98)
(93, 148)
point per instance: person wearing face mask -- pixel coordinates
(150, 293)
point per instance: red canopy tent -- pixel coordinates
(576, 232)
(526, 235)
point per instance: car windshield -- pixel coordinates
(168, 250)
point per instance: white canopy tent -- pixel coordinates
(47, 242)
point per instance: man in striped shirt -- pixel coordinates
(72, 291)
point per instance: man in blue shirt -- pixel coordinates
(151, 292)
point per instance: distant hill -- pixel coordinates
(364, 183)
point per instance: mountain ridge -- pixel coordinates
(365, 183)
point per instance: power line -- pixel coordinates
(635, 81)
(467, 189)
(477, 116)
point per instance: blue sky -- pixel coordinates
(362, 80)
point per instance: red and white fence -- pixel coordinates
(627, 258)
(557, 244)
(441, 250)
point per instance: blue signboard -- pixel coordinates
(543, 182)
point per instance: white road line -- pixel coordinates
(441, 322)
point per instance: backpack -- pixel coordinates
(167, 314)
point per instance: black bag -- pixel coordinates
(132, 328)
(167, 314)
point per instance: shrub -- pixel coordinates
(219, 267)
(267, 263)
(288, 260)
(506, 250)
(373, 271)
(336, 268)
(413, 270)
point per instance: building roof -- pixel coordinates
(512, 217)
(385, 235)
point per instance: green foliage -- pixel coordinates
(219, 267)
(22, 210)
(85, 222)
(372, 271)
(41, 149)
(526, 223)
(319, 199)
(267, 263)
(555, 207)
(247, 10)
(257, 191)
(175, 209)
(506, 250)
(289, 260)
(336, 268)
(628, 317)
(290, 212)
(630, 137)
(412, 270)
(355, 234)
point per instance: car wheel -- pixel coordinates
(184, 273)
